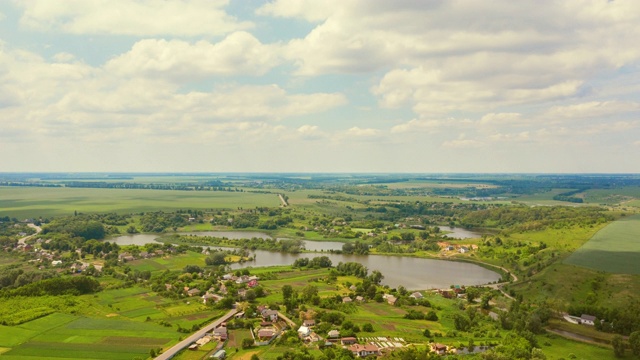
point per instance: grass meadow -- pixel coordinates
(615, 248)
(27, 202)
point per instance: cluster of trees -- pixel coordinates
(77, 226)
(292, 246)
(157, 222)
(356, 247)
(315, 263)
(526, 218)
(76, 285)
(568, 196)
(15, 278)
(613, 320)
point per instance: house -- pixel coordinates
(416, 295)
(271, 315)
(193, 292)
(439, 349)
(208, 298)
(364, 350)
(203, 340)
(265, 333)
(144, 254)
(391, 300)
(333, 334)
(220, 333)
(242, 293)
(348, 340)
(587, 319)
(359, 298)
(346, 299)
(56, 262)
(463, 249)
(304, 331)
(353, 288)
(309, 323)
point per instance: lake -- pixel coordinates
(460, 233)
(412, 273)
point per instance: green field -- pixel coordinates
(61, 336)
(615, 248)
(22, 202)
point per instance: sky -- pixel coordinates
(417, 86)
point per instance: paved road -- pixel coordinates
(197, 335)
(284, 202)
(38, 229)
(289, 321)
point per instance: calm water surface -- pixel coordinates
(412, 273)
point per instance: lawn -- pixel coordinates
(615, 248)
(556, 347)
(46, 202)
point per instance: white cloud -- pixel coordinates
(592, 109)
(63, 57)
(501, 119)
(518, 137)
(462, 142)
(442, 57)
(238, 53)
(309, 10)
(618, 126)
(78, 102)
(359, 132)
(136, 17)
(417, 125)
(309, 132)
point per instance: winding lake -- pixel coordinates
(412, 273)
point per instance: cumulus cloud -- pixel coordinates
(501, 118)
(309, 10)
(137, 18)
(78, 101)
(445, 56)
(417, 125)
(462, 142)
(238, 53)
(63, 57)
(592, 109)
(359, 132)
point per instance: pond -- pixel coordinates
(412, 273)
(459, 233)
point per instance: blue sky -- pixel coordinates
(320, 86)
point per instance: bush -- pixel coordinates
(247, 343)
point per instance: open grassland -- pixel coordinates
(615, 248)
(562, 284)
(436, 184)
(564, 239)
(557, 348)
(545, 198)
(612, 196)
(35, 202)
(177, 262)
